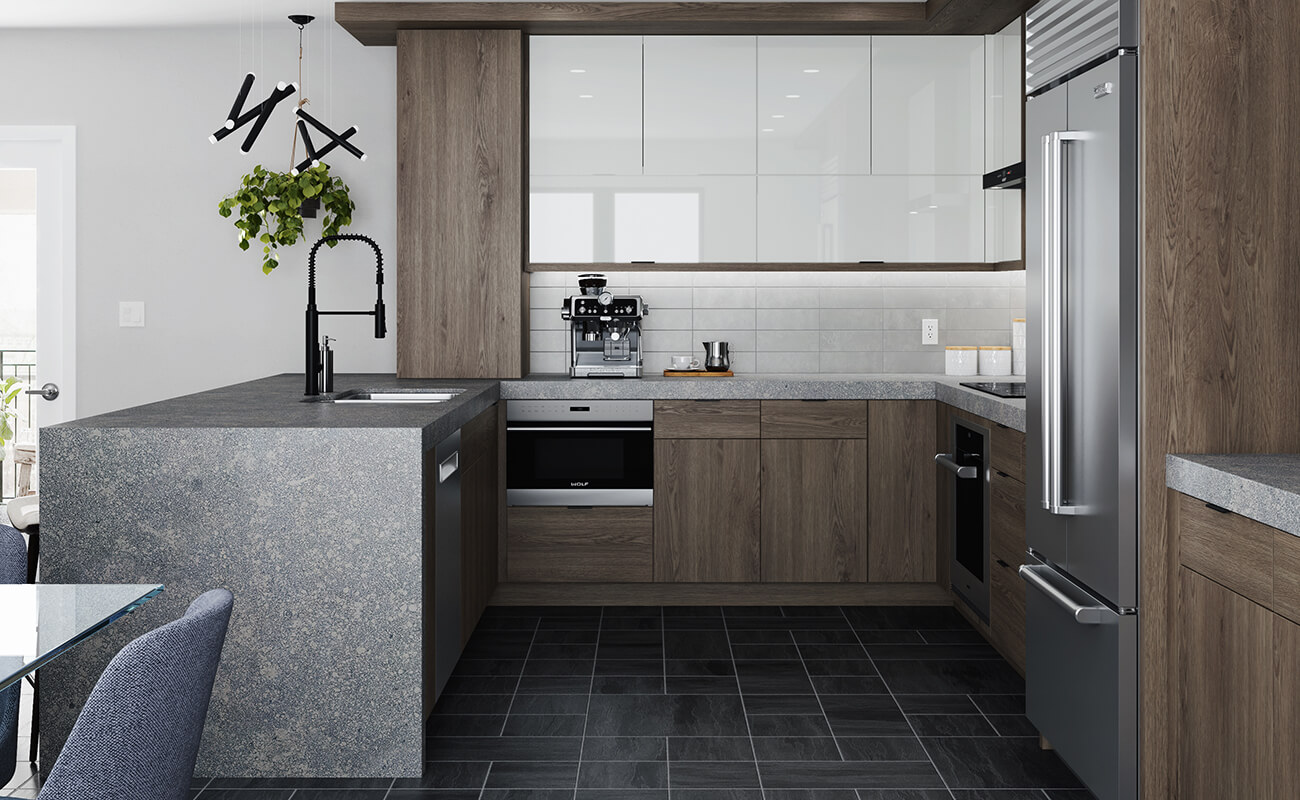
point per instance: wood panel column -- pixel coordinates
(460, 199)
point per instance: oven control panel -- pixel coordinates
(588, 307)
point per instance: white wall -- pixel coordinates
(148, 184)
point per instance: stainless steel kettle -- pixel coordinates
(716, 357)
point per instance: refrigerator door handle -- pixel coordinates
(1055, 345)
(1032, 574)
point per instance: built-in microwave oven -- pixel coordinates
(580, 452)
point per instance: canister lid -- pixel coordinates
(1018, 319)
(994, 347)
(961, 348)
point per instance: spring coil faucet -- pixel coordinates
(314, 365)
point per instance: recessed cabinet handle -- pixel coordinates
(1219, 509)
(1003, 564)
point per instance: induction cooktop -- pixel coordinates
(1000, 388)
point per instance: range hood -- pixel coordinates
(1012, 177)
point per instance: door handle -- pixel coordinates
(946, 461)
(448, 467)
(1084, 615)
(49, 391)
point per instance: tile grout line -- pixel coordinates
(591, 687)
(391, 784)
(482, 790)
(817, 694)
(893, 697)
(740, 692)
(522, 669)
(996, 732)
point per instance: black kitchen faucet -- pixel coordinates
(314, 365)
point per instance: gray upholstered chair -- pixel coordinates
(13, 569)
(137, 737)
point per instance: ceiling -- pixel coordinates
(171, 13)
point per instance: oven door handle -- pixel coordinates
(946, 461)
(525, 429)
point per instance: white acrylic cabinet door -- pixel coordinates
(699, 105)
(665, 219)
(1004, 79)
(851, 218)
(1004, 224)
(814, 105)
(584, 105)
(927, 105)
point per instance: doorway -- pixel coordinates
(37, 289)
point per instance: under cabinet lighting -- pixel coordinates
(778, 116)
(811, 71)
(577, 71)
(792, 97)
(585, 96)
(768, 130)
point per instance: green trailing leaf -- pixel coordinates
(268, 208)
(10, 390)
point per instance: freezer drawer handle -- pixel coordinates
(1084, 615)
(946, 461)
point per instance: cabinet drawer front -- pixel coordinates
(580, 545)
(1007, 451)
(1227, 548)
(706, 419)
(1007, 609)
(816, 419)
(1286, 575)
(1007, 519)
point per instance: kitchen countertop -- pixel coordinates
(1262, 487)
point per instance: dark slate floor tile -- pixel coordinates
(950, 677)
(710, 748)
(1012, 725)
(689, 685)
(466, 724)
(623, 775)
(563, 651)
(666, 715)
(527, 794)
(703, 668)
(505, 748)
(782, 704)
(848, 684)
(246, 794)
(832, 652)
(740, 612)
(773, 677)
(499, 644)
(904, 794)
(556, 684)
(717, 794)
(570, 666)
(473, 704)
(695, 624)
(785, 624)
(951, 725)
(891, 637)
(480, 685)
(865, 715)
(629, 666)
(625, 748)
(778, 636)
(810, 794)
(1069, 794)
(433, 794)
(999, 703)
(341, 794)
(936, 704)
(696, 645)
(300, 783)
(621, 794)
(712, 775)
(997, 794)
(952, 637)
(913, 652)
(906, 617)
(825, 637)
(545, 725)
(692, 611)
(565, 637)
(448, 775)
(796, 748)
(812, 611)
(993, 763)
(489, 667)
(631, 624)
(549, 704)
(533, 775)
(789, 725)
(754, 652)
(630, 652)
(631, 639)
(882, 748)
(849, 775)
(569, 624)
(631, 611)
(627, 684)
(841, 666)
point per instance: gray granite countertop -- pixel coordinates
(1263, 487)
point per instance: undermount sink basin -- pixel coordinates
(396, 396)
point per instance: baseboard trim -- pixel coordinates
(720, 594)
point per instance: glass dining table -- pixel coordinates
(40, 622)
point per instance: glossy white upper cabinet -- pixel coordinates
(584, 105)
(699, 105)
(927, 105)
(1004, 78)
(1003, 224)
(814, 105)
(685, 219)
(834, 218)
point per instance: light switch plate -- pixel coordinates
(130, 314)
(929, 331)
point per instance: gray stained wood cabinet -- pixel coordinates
(580, 545)
(461, 290)
(901, 545)
(706, 513)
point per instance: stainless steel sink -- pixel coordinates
(396, 395)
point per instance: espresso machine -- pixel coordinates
(604, 331)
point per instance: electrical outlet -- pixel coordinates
(929, 331)
(130, 314)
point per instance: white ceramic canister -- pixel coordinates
(1018, 357)
(961, 361)
(995, 360)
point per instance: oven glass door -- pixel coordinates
(591, 457)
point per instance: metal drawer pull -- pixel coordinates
(1084, 615)
(945, 460)
(448, 467)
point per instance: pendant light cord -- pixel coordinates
(293, 152)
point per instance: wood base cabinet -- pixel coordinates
(579, 545)
(479, 517)
(1006, 554)
(706, 512)
(901, 545)
(814, 501)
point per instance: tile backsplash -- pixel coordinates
(795, 322)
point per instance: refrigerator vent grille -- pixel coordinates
(1063, 35)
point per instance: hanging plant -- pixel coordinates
(10, 389)
(268, 207)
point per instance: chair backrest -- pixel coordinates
(13, 569)
(137, 737)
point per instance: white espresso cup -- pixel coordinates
(685, 363)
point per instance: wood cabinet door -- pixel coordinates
(814, 510)
(579, 545)
(1006, 554)
(901, 538)
(1286, 707)
(478, 544)
(1224, 719)
(706, 510)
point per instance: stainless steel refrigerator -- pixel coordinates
(1082, 235)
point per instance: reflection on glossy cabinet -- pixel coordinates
(927, 105)
(686, 219)
(584, 105)
(1004, 225)
(706, 511)
(833, 218)
(699, 105)
(814, 105)
(814, 518)
(1004, 80)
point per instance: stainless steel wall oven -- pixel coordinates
(969, 536)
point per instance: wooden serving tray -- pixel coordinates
(697, 373)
